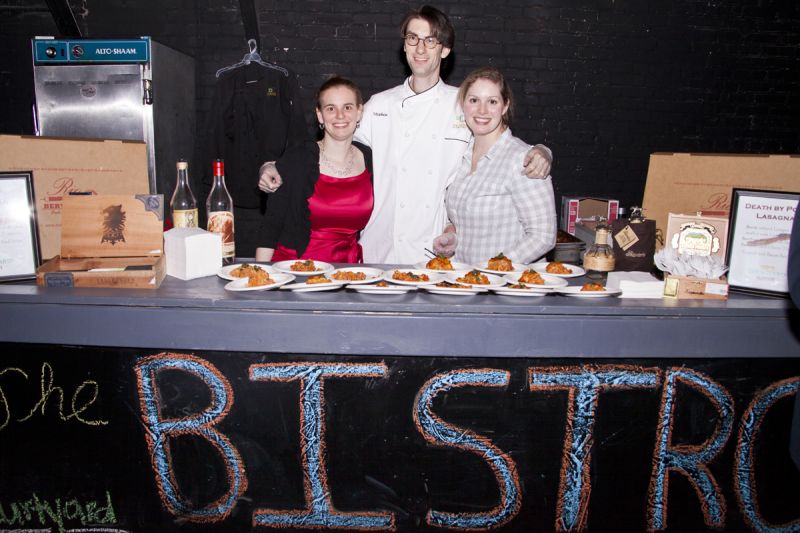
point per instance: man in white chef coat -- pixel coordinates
(418, 135)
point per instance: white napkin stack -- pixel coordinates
(192, 252)
(636, 284)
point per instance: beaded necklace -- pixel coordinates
(338, 171)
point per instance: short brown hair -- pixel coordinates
(338, 81)
(441, 28)
(494, 75)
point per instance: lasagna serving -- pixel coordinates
(591, 286)
(531, 276)
(304, 266)
(409, 276)
(346, 275)
(451, 285)
(474, 277)
(439, 263)
(557, 267)
(500, 263)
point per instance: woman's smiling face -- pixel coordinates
(484, 107)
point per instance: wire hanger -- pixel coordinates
(253, 57)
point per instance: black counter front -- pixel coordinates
(190, 408)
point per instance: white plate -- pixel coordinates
(433, 276)
(225, 272)
(550, 281)
(454, 291)
(508, 291)
(575, 290)
(374, 289)
(373, 274)
(576, 270)
(516, 266)
(240, 284)
(314, 287)
(286, 267)
(457, 267)
(494, 281)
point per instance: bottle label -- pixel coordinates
(602, 263)
(222, 222)
(184, 218)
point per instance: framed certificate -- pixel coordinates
(758, 248)
(19, 243)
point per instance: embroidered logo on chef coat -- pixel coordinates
(271, 91)
(379, 114)
(459, 121)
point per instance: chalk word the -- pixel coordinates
(84, 396)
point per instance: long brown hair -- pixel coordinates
(493, 75)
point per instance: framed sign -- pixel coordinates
(19, 244)
(758, 248)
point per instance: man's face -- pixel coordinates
(424, 62)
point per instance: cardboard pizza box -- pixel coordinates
(62, 166)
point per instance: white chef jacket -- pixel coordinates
(417, 141)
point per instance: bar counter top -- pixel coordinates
(200, 315)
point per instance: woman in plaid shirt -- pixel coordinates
(491, 206)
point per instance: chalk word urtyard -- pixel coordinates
(35, 512)
(81, 399)
(583, 385)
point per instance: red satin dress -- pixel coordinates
(340, 208)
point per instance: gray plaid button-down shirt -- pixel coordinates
(498, 208)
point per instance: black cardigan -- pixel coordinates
(288, 218)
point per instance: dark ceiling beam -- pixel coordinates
(64, 18)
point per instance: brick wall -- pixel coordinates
(603, 82)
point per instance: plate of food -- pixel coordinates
(500, 265)
(382, 287)
(442, 264)
(242, 270)
(302, 267)
(588, 290)
(536, 280)
(263, 282)
(414, 276)
(452, 288)
(519, 289)
(477, 278)
(356, 275)
(315, 283)
(557, 268)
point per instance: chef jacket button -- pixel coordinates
(402, 204)
(433, 136)
(403, 169)
(436, 101)
(427, 206)
(430, 172)
(408, 134)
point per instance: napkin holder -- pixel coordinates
(192, 253)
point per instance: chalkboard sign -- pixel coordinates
(116, 439)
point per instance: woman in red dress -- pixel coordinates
(326, 198)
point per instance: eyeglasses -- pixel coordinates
(413, 39)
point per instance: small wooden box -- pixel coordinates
(683, 287)
(109, 241)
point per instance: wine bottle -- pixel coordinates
(219, 207)
(183, 204)
(599, 258)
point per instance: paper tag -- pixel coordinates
(719, 289)
(626, 238)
